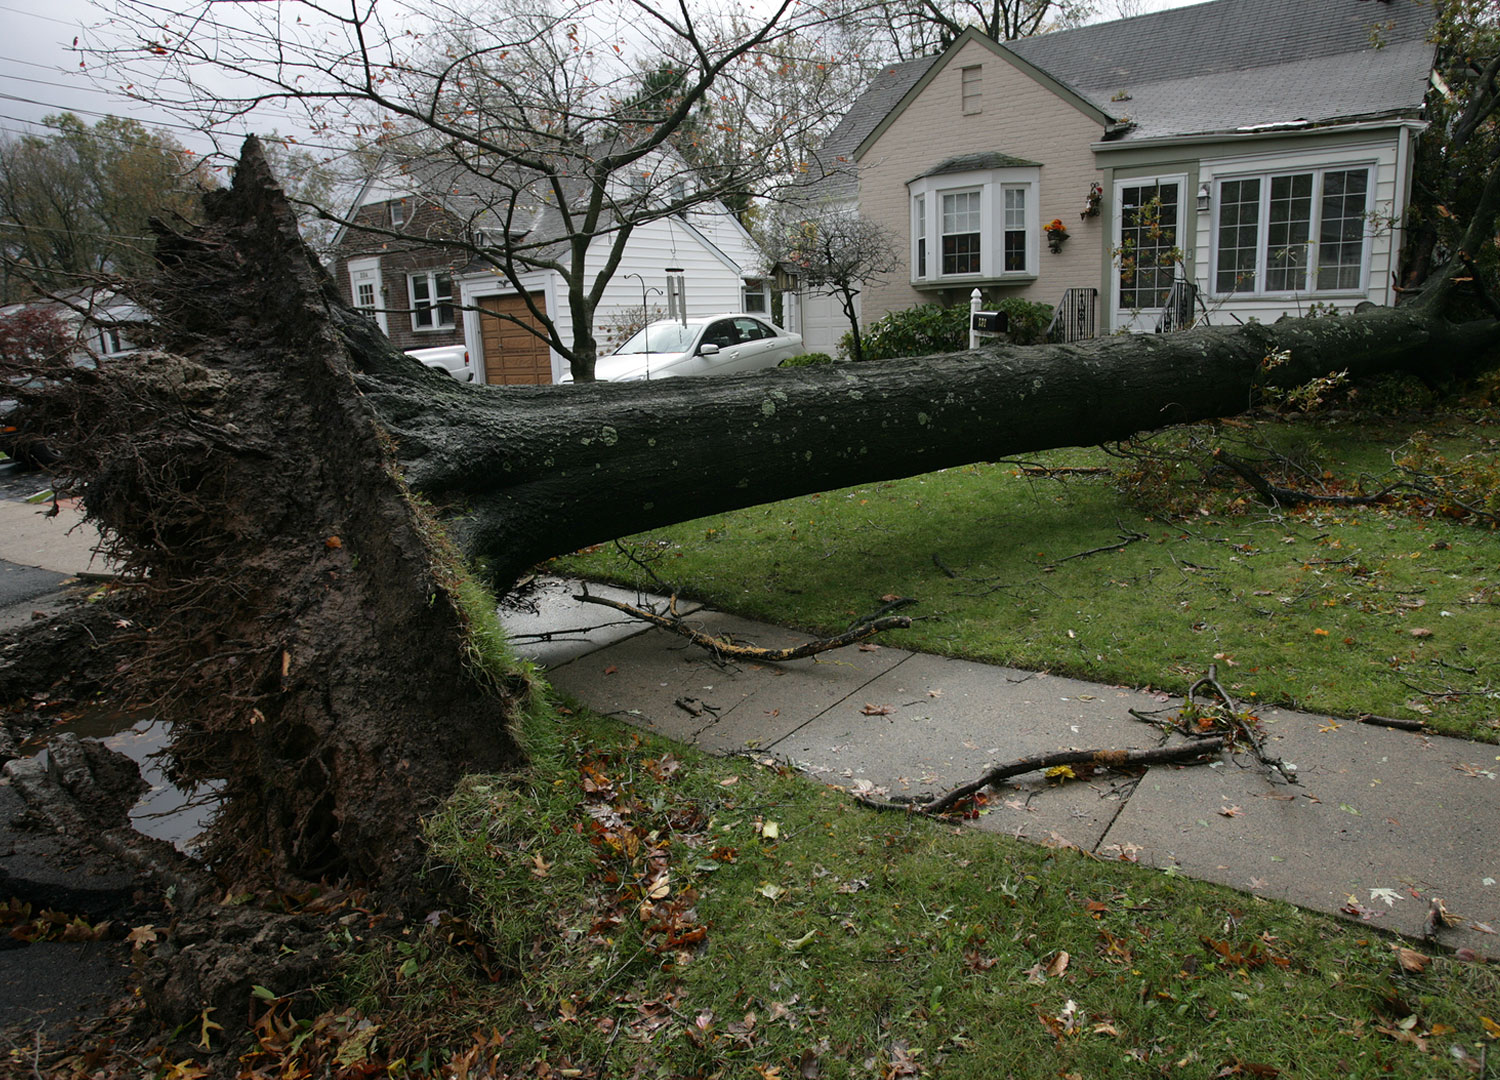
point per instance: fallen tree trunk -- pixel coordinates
(532, 472)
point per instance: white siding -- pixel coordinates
(824, 322)
(712, 285)
(1379, 152)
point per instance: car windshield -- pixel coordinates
(660, 337)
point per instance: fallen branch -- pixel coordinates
(1392, 722)
(1064, 470)
(1104, 759)
(1127, 537)
(723, 650)
(1280, 496)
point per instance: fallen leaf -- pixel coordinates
(877, 710)
(541, 867)
(1231, 811)
(333, 543)
(1062, 772)
(611, 669)
(770, 890)
(1420, 632)
(1058, 965)
(142, 936)
(1491, 1028)
(1411, 960)
(770, 830)
(728, 781)
(798, 944)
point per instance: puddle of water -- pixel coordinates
(164, 811)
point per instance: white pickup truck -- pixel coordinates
(452, 359)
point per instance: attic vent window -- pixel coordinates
(398, 211)
(970, 89)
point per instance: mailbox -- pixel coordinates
(990, 322)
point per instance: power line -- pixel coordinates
(44, 18)
(46, 82)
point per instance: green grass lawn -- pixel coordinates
(648, 911)
(1391, 609)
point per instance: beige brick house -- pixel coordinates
(1255, 153)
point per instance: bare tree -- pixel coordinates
(906, 29)
(527, 125)
(836, 252)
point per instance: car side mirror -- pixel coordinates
(708, 348)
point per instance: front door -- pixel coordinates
(1148, 254)
(513, 355)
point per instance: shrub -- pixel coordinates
(917, 331)
(806, 359)
(1028, 321)
(931, 328)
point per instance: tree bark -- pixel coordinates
(532, 472)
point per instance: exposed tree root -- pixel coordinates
(728, 650)
(1103, 759)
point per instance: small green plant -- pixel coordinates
(807, 359)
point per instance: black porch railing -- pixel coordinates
(1074, 319)
(1180, 310)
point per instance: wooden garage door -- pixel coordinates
(513, 355)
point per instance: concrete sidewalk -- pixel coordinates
(1382, 822)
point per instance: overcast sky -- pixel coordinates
(39, 74)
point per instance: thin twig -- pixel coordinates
(721, 648)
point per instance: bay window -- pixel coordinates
(981, 212)
(1294, 232)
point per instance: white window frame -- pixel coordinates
(1145, 319)
(398, 213)
(433, 304)
(1260, 289)
(759, 290)
(925, 200)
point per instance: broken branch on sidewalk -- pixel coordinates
(730, 650)
(1100, 759)
(1224, 718)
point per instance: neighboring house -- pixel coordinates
(424, 294)
(100, 323)
(1260, 150)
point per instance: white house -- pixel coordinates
(425, 292)
(1255, 154)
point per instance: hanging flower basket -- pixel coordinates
(1057, 235)
(1091, 202)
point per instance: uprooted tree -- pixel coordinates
(300, 617)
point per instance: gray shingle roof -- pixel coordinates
(1214, 67)
(1229, 64)
(992, 159)
(837, 152)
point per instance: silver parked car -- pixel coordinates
(705, 345)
